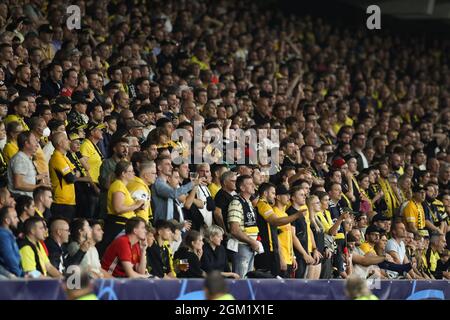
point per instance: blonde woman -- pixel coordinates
(313, 203)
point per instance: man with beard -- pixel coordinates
(120, 152)
(414, 214)
(395, 164)
(435, 221)
(268, 222)
(390, 197)
(10, 266)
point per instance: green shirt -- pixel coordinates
(368, 297)
(226, 296)
(90, 296)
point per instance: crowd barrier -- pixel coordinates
(254, 289)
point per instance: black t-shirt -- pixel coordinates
(222, 200)
(194, 270)
(158, 260)
(301, 230)
(214, 259)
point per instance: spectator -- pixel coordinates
(303, 247)
(120, 152)
(82, 250)
(139, 189)
(356, 289)
(288, 260)
(10, 259)
(243, 227)
(159, 255)
(35, 262)
(43, 200)
(13, 129)
(268, 222)
(192, 251)
(223, 198)
(57, 243)
(215, 287)
(85, 291)
(396, 248)
(20, 108)
(121, 206)
(203, 194)
(432, 256)
(25, 209)
(161, 191)
(22, 175)
(90, 150)
(125, 258)
(214, 256)
(63, 177)
(414, 214)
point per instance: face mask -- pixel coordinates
(2, 143)
(46, 132)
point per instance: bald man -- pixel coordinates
(57, 245)
(62, 177)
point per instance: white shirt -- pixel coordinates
(400, 250)
(203, 194)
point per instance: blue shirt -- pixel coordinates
(9, 252)
(161, 193)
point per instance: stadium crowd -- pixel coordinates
(359, 183)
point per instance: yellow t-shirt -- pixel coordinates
(367, 248)
(432, 263)
(40, 162)
(119, 186)
(15, 117)
(265, 211)
(89, 151)
(10, 149)
(338, 125)
(213, 189)
(285, 237)
(28, 260)
(414, 213)
(60, 166)
(140, 191)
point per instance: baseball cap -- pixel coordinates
(58, 108)
(45, 28)
(92, 125)
(4, 101)
(75, 126)
(134, 124)
(63, 100)
(338, 163)
(74, 136)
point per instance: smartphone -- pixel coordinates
(193, 175)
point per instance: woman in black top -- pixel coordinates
(214, 256)
(192, 251)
